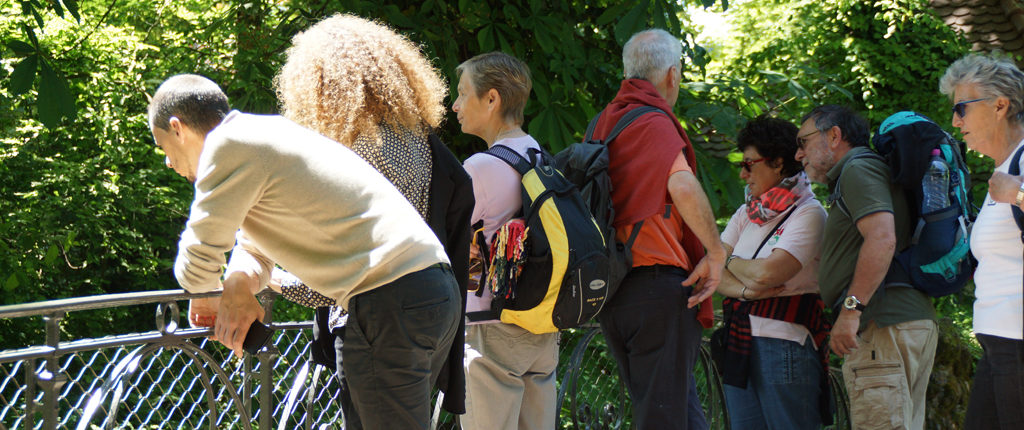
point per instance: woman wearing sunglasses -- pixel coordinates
(988, 93)
(776, 378)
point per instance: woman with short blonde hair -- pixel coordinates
(510, 372)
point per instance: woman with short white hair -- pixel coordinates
(988, 97)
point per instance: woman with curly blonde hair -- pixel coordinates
(362, 84)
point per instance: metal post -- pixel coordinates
(30, 394)
(50, 379)
(266, 356)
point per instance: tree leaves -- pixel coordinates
(634, 21)
(20, 48)
(55, 101)
(23, 75)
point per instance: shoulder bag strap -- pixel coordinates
(774, 230)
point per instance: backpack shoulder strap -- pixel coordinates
(836, 198)
(510, 157)
(624, 122)
(1018, 214)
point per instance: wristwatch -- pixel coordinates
(852, 303)
(1020, 195)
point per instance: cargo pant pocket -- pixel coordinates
(877, 400)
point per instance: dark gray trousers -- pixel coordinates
(997, 395)
(655, 340)
(396, 340)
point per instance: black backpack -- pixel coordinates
(563, 281)
(586, 165)
(937, 261)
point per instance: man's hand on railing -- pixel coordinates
(238, 309)
(203, 312)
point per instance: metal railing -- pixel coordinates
(174, 378)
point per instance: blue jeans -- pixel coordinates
(783, 389)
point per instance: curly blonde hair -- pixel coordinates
(345, 76)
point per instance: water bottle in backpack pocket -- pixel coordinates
(928, 163)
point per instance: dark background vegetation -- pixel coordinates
(87, 207)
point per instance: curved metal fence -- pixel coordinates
(175, 378)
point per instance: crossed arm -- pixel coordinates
(760, 278)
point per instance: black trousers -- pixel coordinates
(395, 342)
(655, 340)
(997, 395)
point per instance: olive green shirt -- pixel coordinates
(866, 189)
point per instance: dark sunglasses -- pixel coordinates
(960, 109)
(745, 165)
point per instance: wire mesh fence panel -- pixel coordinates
(198, 384)
(13, 390)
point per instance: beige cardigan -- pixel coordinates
(303, 201)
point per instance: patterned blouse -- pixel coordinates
(402, 156)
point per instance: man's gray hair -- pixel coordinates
(995, 76)
(650, 53)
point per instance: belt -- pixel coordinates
(657, 268)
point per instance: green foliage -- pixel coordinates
(889, 54)
(87, 209)
(949, 386)
(721, 104)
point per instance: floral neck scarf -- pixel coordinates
(777, 199)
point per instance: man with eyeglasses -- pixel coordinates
(887, 336)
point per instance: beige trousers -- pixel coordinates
(510, 378)
(887, 375)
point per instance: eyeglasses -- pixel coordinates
(960, 109)
(745, 165)
(801, 141)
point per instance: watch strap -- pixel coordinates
(857, 304)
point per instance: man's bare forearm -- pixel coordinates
(694, 208)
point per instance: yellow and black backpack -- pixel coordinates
(549, 269)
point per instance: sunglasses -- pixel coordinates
(960, 109)
(745, 165)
